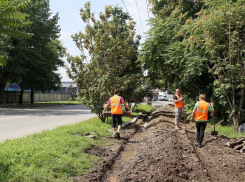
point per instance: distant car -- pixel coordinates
(170, 100)
(161, 97)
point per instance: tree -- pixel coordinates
(111, 47)
(199, 51)
(163, 53)
(32, 62)
(216, 40)
(11, 18)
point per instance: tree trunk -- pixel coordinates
(2, 87)
(102, 118)
(21, 97)
(147, 101)
(238, 115)
(134, 106)
(236, 123)
(32, 95)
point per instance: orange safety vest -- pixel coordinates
(202, 111)
(116, 107)
(179, 104)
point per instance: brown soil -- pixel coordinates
(161, 153)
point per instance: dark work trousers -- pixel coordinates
(200, 131)
(116, 119)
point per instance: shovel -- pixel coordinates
(213, 132)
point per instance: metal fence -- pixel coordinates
(13, 97)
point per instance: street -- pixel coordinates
(18, 122)
(161, 103)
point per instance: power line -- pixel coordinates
(129, 14)
(147, 9)
(139, 15)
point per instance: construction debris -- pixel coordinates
(237, 144)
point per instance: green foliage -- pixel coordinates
(111, 48)
(217, 37)
(198, 46)
(11, 19)
(32, 63)
(189, 105)
(143, 108)
(51, 155)
(163, 54)
(228, 131)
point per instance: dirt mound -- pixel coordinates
(157, 152)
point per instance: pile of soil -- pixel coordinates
(158, 152)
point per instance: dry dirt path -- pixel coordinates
(161, 153)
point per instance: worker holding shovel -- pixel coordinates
(200, 112)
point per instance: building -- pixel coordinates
(68, 87)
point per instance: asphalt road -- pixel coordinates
(161, 103)
(18, 122)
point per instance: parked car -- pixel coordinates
(170, 99)
(161, 97)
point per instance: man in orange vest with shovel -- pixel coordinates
(200, 112)
(116, 112)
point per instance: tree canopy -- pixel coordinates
(32, 63)
(11, 18)
(109, 49)
(198, 46)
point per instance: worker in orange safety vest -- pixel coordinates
(179, 105)
(116, 112)
(200, 112)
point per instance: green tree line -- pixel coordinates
(30, 49)
(198, 46)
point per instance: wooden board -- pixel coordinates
(108, 113)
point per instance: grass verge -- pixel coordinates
(54, 155)
(226, 130)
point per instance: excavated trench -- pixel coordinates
(155, 151)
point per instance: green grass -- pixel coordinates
(226, 130)
(54, 155)
(143, 108)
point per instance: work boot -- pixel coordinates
(196, 144)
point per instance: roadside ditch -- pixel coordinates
(152, 150)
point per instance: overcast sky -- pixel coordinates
(71, 23)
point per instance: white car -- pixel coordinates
(170, 100)
(161, 97)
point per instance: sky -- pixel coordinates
(70, 21)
